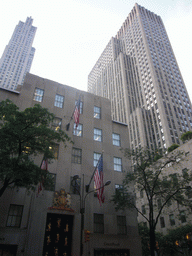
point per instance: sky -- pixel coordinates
(72, 34)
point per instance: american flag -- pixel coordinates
(98, 179)
(77, 112)
(44, 166)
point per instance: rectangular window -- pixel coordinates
(98, 223)
(15, 215)
(55, 149)
(59, 100)
(159, 204)
(81, 106)
(76, 155)
(75, 186)
(78, 131)
(96, 159)
(121, 225)
(116, 139)
(38, 95)
(143, 210)
(117, 164)
(162, 222)
(51, 177)
(56, 123)
(182, 217)
(97, 134)
(171, 219)
(97, 112)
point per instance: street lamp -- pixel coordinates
(82, 204)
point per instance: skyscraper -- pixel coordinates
(139, 73)
(18, 55)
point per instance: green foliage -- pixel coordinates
(172, 147)
(151, 176)
(178, 240)
(24, 135)
(186, 136)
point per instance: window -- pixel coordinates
(75, 186)
(78, 131)
(59, 100)
(158, 203)
(56, 123)
(116, 139)
(15, 215)
(51, 177)
(96, 157)
(98, 223)
(182, 217)
(38, 95)
(81, 106)
(143, 210)
(97, 134)
(55, 149)
(162, 222)
(171, 219)
(97, 112)
(117, 164)
(76, 155)
(121, 225)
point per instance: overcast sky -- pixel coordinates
(71, 34)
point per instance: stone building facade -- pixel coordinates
(32, 225)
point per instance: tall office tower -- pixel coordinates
(139, 73)
(18, 55)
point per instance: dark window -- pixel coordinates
(182, 217)
(15, 215)
(51, 177)
(75, 186)
(76, 155)
(98, 223)
(121, 225)
(159, 203)
(172, 220)
(162, 222)
(143, 209)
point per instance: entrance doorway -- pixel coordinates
(58, 235)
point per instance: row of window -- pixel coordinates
(77, 159)
(16, 212)
(59, 102)
(78, 131)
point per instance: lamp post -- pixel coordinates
(82, 204)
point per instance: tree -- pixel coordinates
(186, 136)
(150, 177)
(24, 135)
(178, 241)
(172, 147)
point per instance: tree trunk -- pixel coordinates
(152, 241)
(5, 185)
